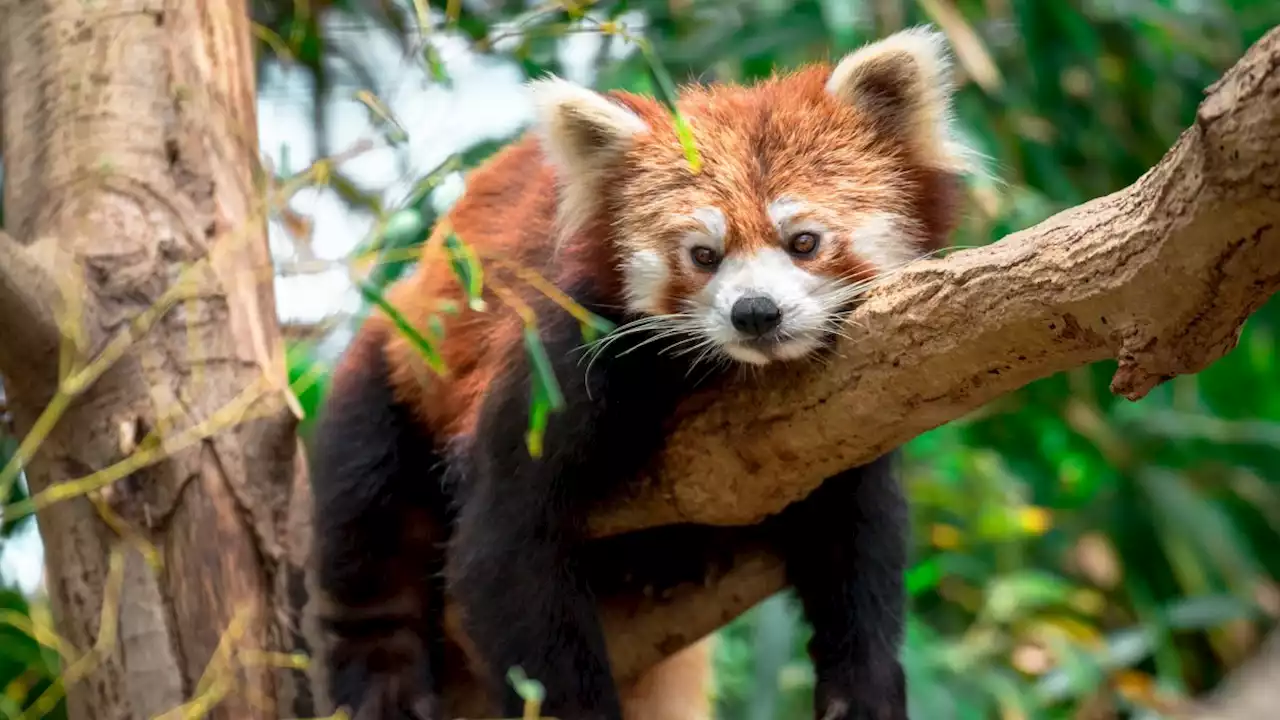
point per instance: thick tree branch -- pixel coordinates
(28, 325)
(1160, 276)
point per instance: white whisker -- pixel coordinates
(696, 339)
(659, 336)
(635, 326)
(680, 326)
(710, 349)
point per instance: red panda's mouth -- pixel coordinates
(774, 347)
(764, 344)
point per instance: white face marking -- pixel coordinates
(712, 235)
(781, 212)
(790, 216)
(771, 273)
(645, 276)
(885, 241)
(712, 218)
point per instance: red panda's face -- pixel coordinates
(772, 285)
(811, 184)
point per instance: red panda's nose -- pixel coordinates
(755, 315)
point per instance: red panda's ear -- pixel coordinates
(582, 133)
(903, 82)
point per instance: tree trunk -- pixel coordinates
(133, 219)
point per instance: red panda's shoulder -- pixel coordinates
(506, 214)
(508, 206)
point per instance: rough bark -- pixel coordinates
(129, 143)
(27, 320)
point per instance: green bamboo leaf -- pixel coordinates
(545, 395)
(381, 117)
(16, 646)
(422, 13)
(594, 327)
(402, 228)
(435, 66)
(353, 194)
(423, 187)
(428, 350)
(466, 266)
(543, 370)
(10, 708)
(591, 333)
(666, 91)
(437, 327)
(527, 688)
(407, 226)
(685, 133)
(300, 362)
(539, 412)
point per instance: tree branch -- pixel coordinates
(1160, 275)
(28, 325)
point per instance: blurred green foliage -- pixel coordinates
(1073, 550)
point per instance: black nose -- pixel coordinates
(755, 315)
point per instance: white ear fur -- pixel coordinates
(582, 132)
(904, 82)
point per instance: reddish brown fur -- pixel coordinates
(508, 212)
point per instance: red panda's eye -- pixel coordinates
(705, 256)
(804, 243)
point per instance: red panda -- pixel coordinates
(810, 183)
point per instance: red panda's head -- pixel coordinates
(811, 183)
